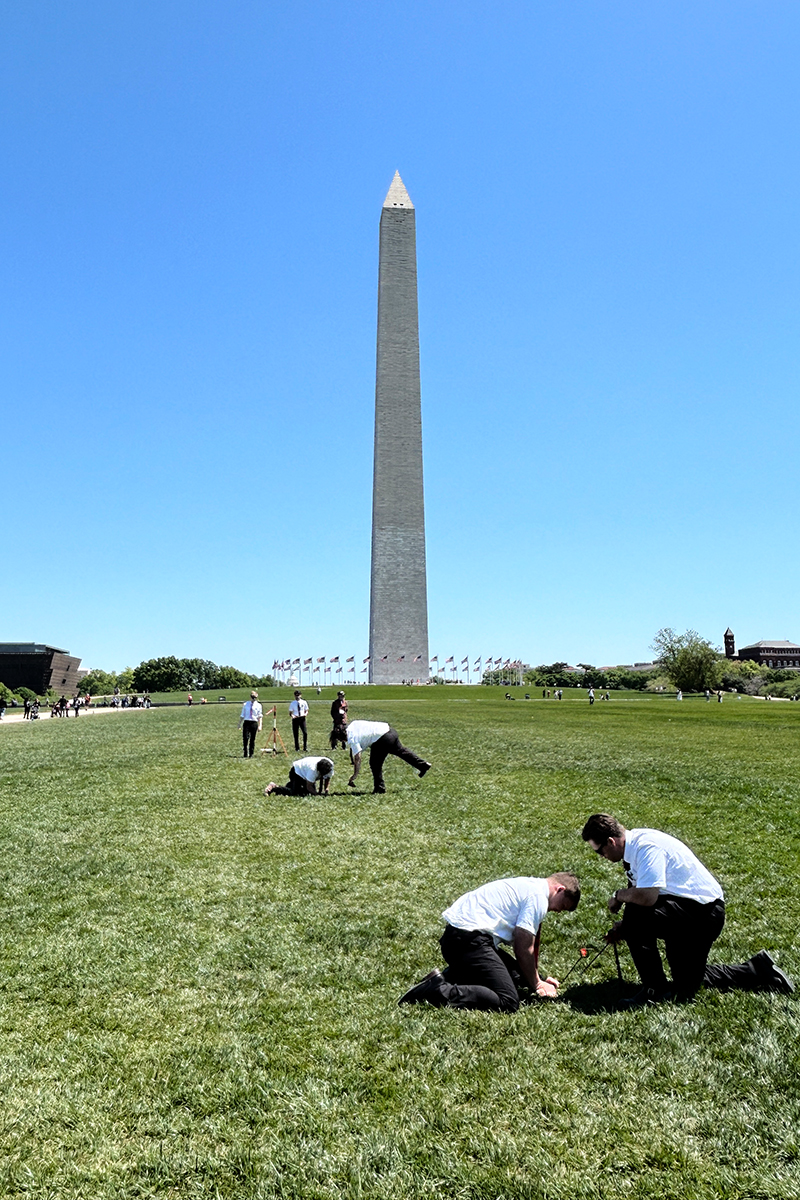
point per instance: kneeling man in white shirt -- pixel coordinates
(671, 896)
(480, 974)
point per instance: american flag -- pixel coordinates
(353, 659)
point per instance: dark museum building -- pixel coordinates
(30, 665)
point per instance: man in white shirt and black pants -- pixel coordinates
(382, 741)
(480, 974)
(298, 711)
(250, 723)
(305, 775)
(673, 897)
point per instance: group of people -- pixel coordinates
(314, 773)
(60, 708)
(669, 896)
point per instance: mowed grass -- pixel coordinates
(198, 988)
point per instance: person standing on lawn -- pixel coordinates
(671, 896)
(381, 740)
(298, 711)
(250, 723)
(339, 717)
(479, 973)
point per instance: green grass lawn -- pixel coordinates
(198, 986)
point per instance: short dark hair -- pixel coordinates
(600, 827)
(325, 767)
(570, 884)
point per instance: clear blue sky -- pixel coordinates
(608, 221)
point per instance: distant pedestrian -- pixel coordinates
(189, 700)
(708, 695)
(306, 775)
(76, 704)
(26, 715)
(679, 694)
(2, 707)
(250, 723)
(339, 717)
(591, 696)
(298, 711)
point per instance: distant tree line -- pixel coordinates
(682, 660)
(172, 674)
(558, 675)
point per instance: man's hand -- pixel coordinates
(614, 934)
(614, 905)
(351, 781)
(547, 988)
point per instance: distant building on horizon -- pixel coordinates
(38, 667)
(772, 653)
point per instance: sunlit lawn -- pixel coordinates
(199, 985)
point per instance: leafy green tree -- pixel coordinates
(231, 677)
(99, 683)
(690, 662)
(168, 674)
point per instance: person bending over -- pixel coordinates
(671, 896)
(381, 740)
(306, 776)
(480, 974)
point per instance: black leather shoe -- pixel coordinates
(380, 791)
(770, 977)
(424, 769)
(429, 988)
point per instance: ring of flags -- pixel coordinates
(325, 667)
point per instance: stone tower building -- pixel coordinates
(398, 618)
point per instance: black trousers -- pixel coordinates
(298, 724)
(379, 751)
(338, 734)
(295, 787)
(479, 974)
(249, 731)
(688, 930)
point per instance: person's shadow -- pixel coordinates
(607, 995)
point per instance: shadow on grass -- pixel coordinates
(605, 996)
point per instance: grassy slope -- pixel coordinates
(198, 985)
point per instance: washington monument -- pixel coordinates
(398, 615)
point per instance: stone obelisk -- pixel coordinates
(398, 617)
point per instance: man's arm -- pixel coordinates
(356, 761)
(524, 943)
(633, 895)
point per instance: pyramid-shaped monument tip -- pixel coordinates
(397, 196)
